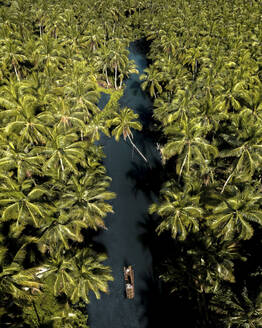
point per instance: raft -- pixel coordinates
(129, 282)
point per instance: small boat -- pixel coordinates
(129, 281)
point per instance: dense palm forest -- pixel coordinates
(56, 57)
(205, 78)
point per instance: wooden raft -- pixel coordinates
(129, 281)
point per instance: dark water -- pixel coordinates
(124, 241)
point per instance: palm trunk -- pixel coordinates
(121, 83)
(183, 164)
(107, 81)
(139, 152)
(116, 77)
(16, 72)
(62, 165)
(37, 315)
(226, 182)
(195, 70)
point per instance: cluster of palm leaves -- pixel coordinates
(54, 58)
(206, 82)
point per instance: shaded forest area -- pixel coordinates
(205, 78)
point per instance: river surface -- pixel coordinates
(123, 241)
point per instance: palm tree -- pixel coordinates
(102, 62)
(68, 317)
(62, 152)
(231, 94)
(14, 97)
(169, 43)
(254, 101)
(91, 275)
(118, 59)
(57, 231)
(97, 125)
(123, 122)
(16, 282)
(76, 275)
(61, 268)
(94, 35)
(23, 202)
(175, 74)
(41, 18)
(84, 200)
(211, 114)
(214, 258)
(65, 117)
(83, 95)
(192, 58)
(11, 55)
(183, 106)
(195, 269)
(152, 81)
(43, 92)
(50, 52)
(179, 210)
(234, 211)
(246, 150)
(27, 124)
(14, 157)
(187, 141)
(201, 263)
(241, 311)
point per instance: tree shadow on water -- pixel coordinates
(147, 179)
(150, 133)
(160, 307)
(90, 240)
(151, 295)
(157, 311)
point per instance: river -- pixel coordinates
(123, 241)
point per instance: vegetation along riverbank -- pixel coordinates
(205, 81)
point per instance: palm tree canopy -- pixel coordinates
(124, 121)
(179, 211)
(235, 213)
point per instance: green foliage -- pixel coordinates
(47, 311)
(123, 122)
(53, 185)
(207, 101)
(56, 57)
(239, 311)
(180, 211)
(205, 80)
(231, 217)
(112, 105)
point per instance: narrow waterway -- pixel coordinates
(123, 240)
